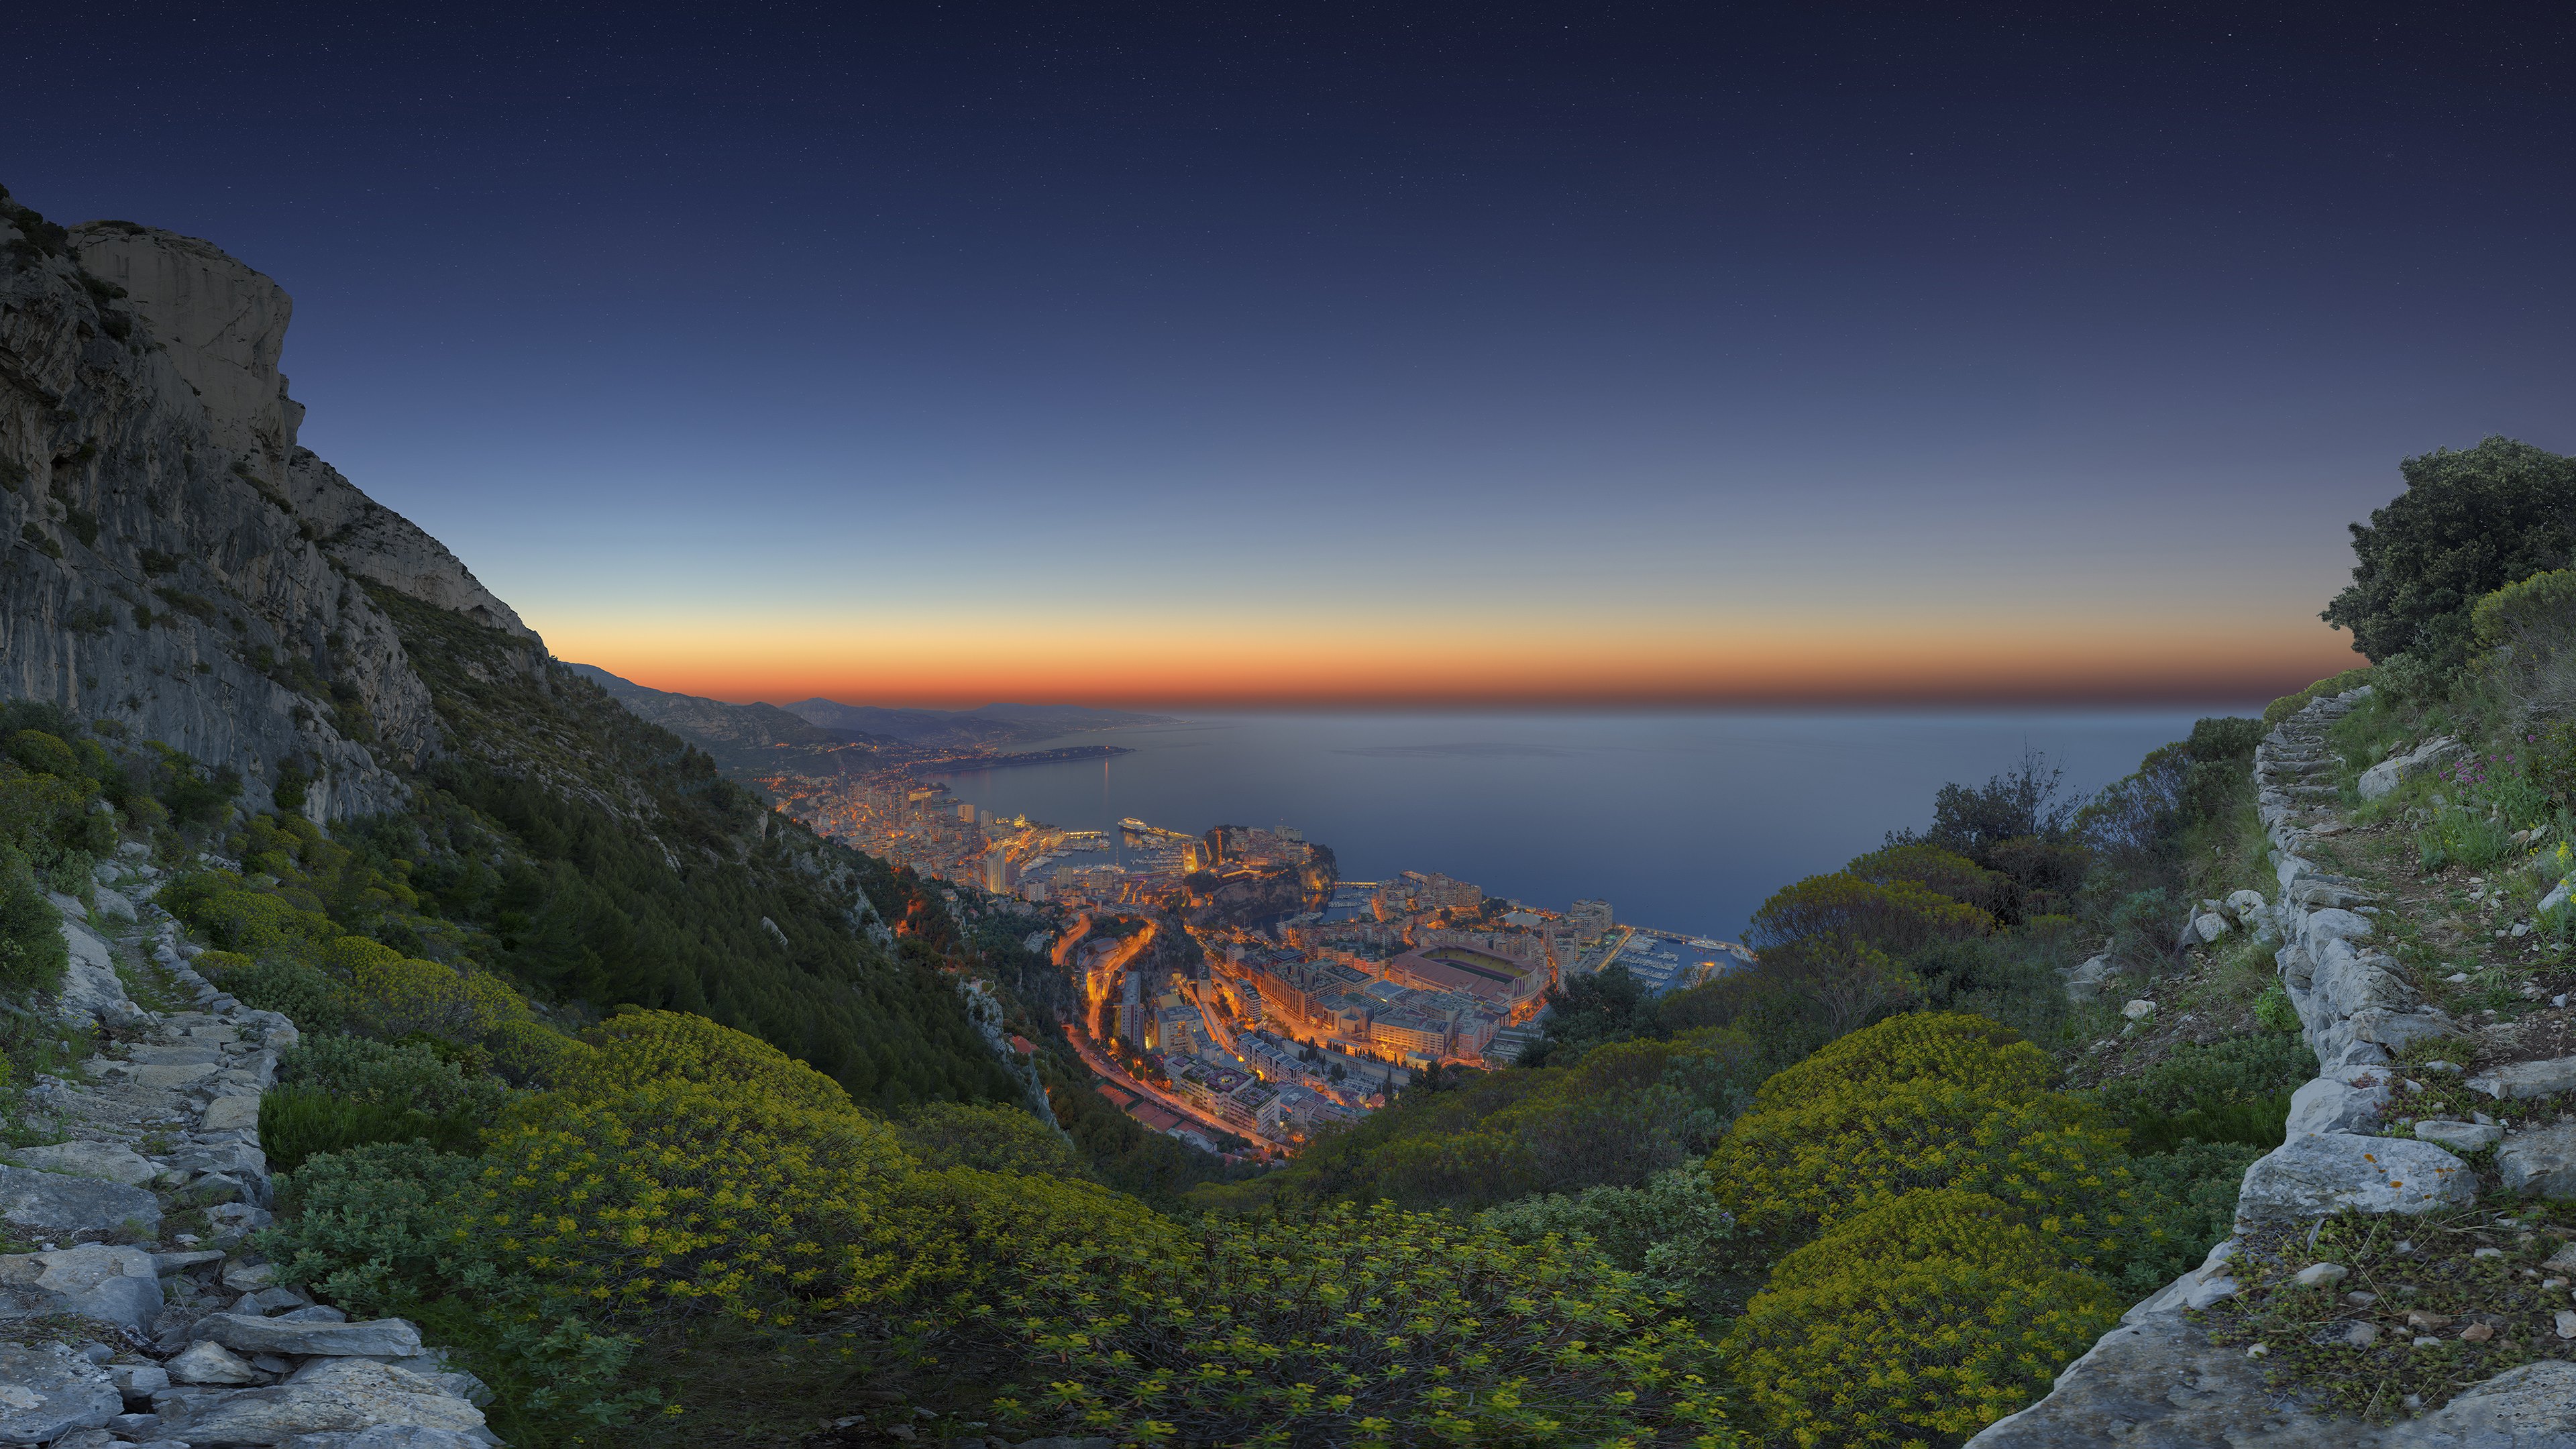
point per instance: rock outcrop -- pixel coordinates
(2158, 1381)
(178, 566)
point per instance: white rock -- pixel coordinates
(113, 1161)
(49, 1392)
(2566, 1323)
(349, 1396)
(231, 1114)
(2528, 1079)
(2249, 907)
(2321, 1275)
(2319, 1175)
(111, 1284)
(2458, 1136)
(2138, 1010)
(211, 1363)
(381, 1337)
(2385, 776)
(2329, 1104)
(2210, 926)
(2540, 1162)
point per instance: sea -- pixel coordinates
(1682, 821)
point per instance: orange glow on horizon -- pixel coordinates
(1248, 664)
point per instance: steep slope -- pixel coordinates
(740, 736)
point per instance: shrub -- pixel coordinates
(1920, 1321)
(1670, 1232)
(390, 1074)
(1967, 1051)
(33, 953)
(645, 1047)
(988, 1139)
(313, 1001)
(1900, 916)
(1355, 1327)
(297, 1123)
(2274, 1011)
(399, 997)
(44, 754)
(2181, 1204)
(367, 1227)
(1795, 1169)
(530, 1054)
(1934, 869)
(686, 1198)
(2213, 1074)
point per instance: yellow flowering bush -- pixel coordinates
(646, 1047)
(680, 1198)
(1791, 1171)
(1353, 1327)
(1917, 1322)
(396, 996)
(532, 1054)
(958, 1229)
(1969, 1051)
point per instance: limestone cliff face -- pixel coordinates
(175, 564)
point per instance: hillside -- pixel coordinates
(994, 726)
(408, 1033)
(741, 738)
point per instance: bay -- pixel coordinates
(1682, 821)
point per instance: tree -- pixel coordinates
(2468, 523)
(2020, 802)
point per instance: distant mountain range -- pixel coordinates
(745, 734)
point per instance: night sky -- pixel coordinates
(1190, 354)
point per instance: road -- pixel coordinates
(1103, 1064)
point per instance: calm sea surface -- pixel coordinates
(1681, 821)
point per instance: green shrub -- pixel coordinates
(1919, 1321)
(1967, 1051)
(389, 1074)
(531, 1054)
(986, 1138)
(296, 1123)
(33, 953)
(44, 754)
(1670, 1232)
(646, 1048)
(2181, 1204)
(2274, 1011)
(313, 1001)
(1355, 1327)
(2236, 1069)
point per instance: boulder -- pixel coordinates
(113, 1285)
(2527, 1079)
(211, 1363)
(2319, 1175)
(69, 1205)
(2337, 1104)
(2250, 908)
(48, 1392)
(387, 1436)
(2459, 1136)
(249, 1333)
(348, 1397)
(232, 1114)
(2209, 925)
(2389, 773)
(2085, 982)
(138, 1382)
(2138, 1010)
(113, 1161)
(2541, 1162)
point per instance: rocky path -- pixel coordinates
(2378, 1132)
(137, 1313)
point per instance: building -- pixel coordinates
(999, 874)
(1131, 1009)
(1591, 918)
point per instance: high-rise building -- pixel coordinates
(1131, 1009)
(966, 812)
(999, 873)
(1591, 918)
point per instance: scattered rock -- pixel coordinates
(2322, 1275)
(51, 1391)
(2458, 1136)
(2523, 1080)
(231, 1114)
(348, 1397)
(380, 1338)
(2338, 1104)
(211, 1363)
(2566, 1323)
(2210, 926)
(2476, 1333)
(69, 1205)
(2319, 1175)
(113, 1161)
(2358, 1335)
(2540, 1162)
(113, 1285)
(2388, 774)
(2138, 1010)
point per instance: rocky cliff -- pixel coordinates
(177, 566)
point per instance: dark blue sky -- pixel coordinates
(1053, 345)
